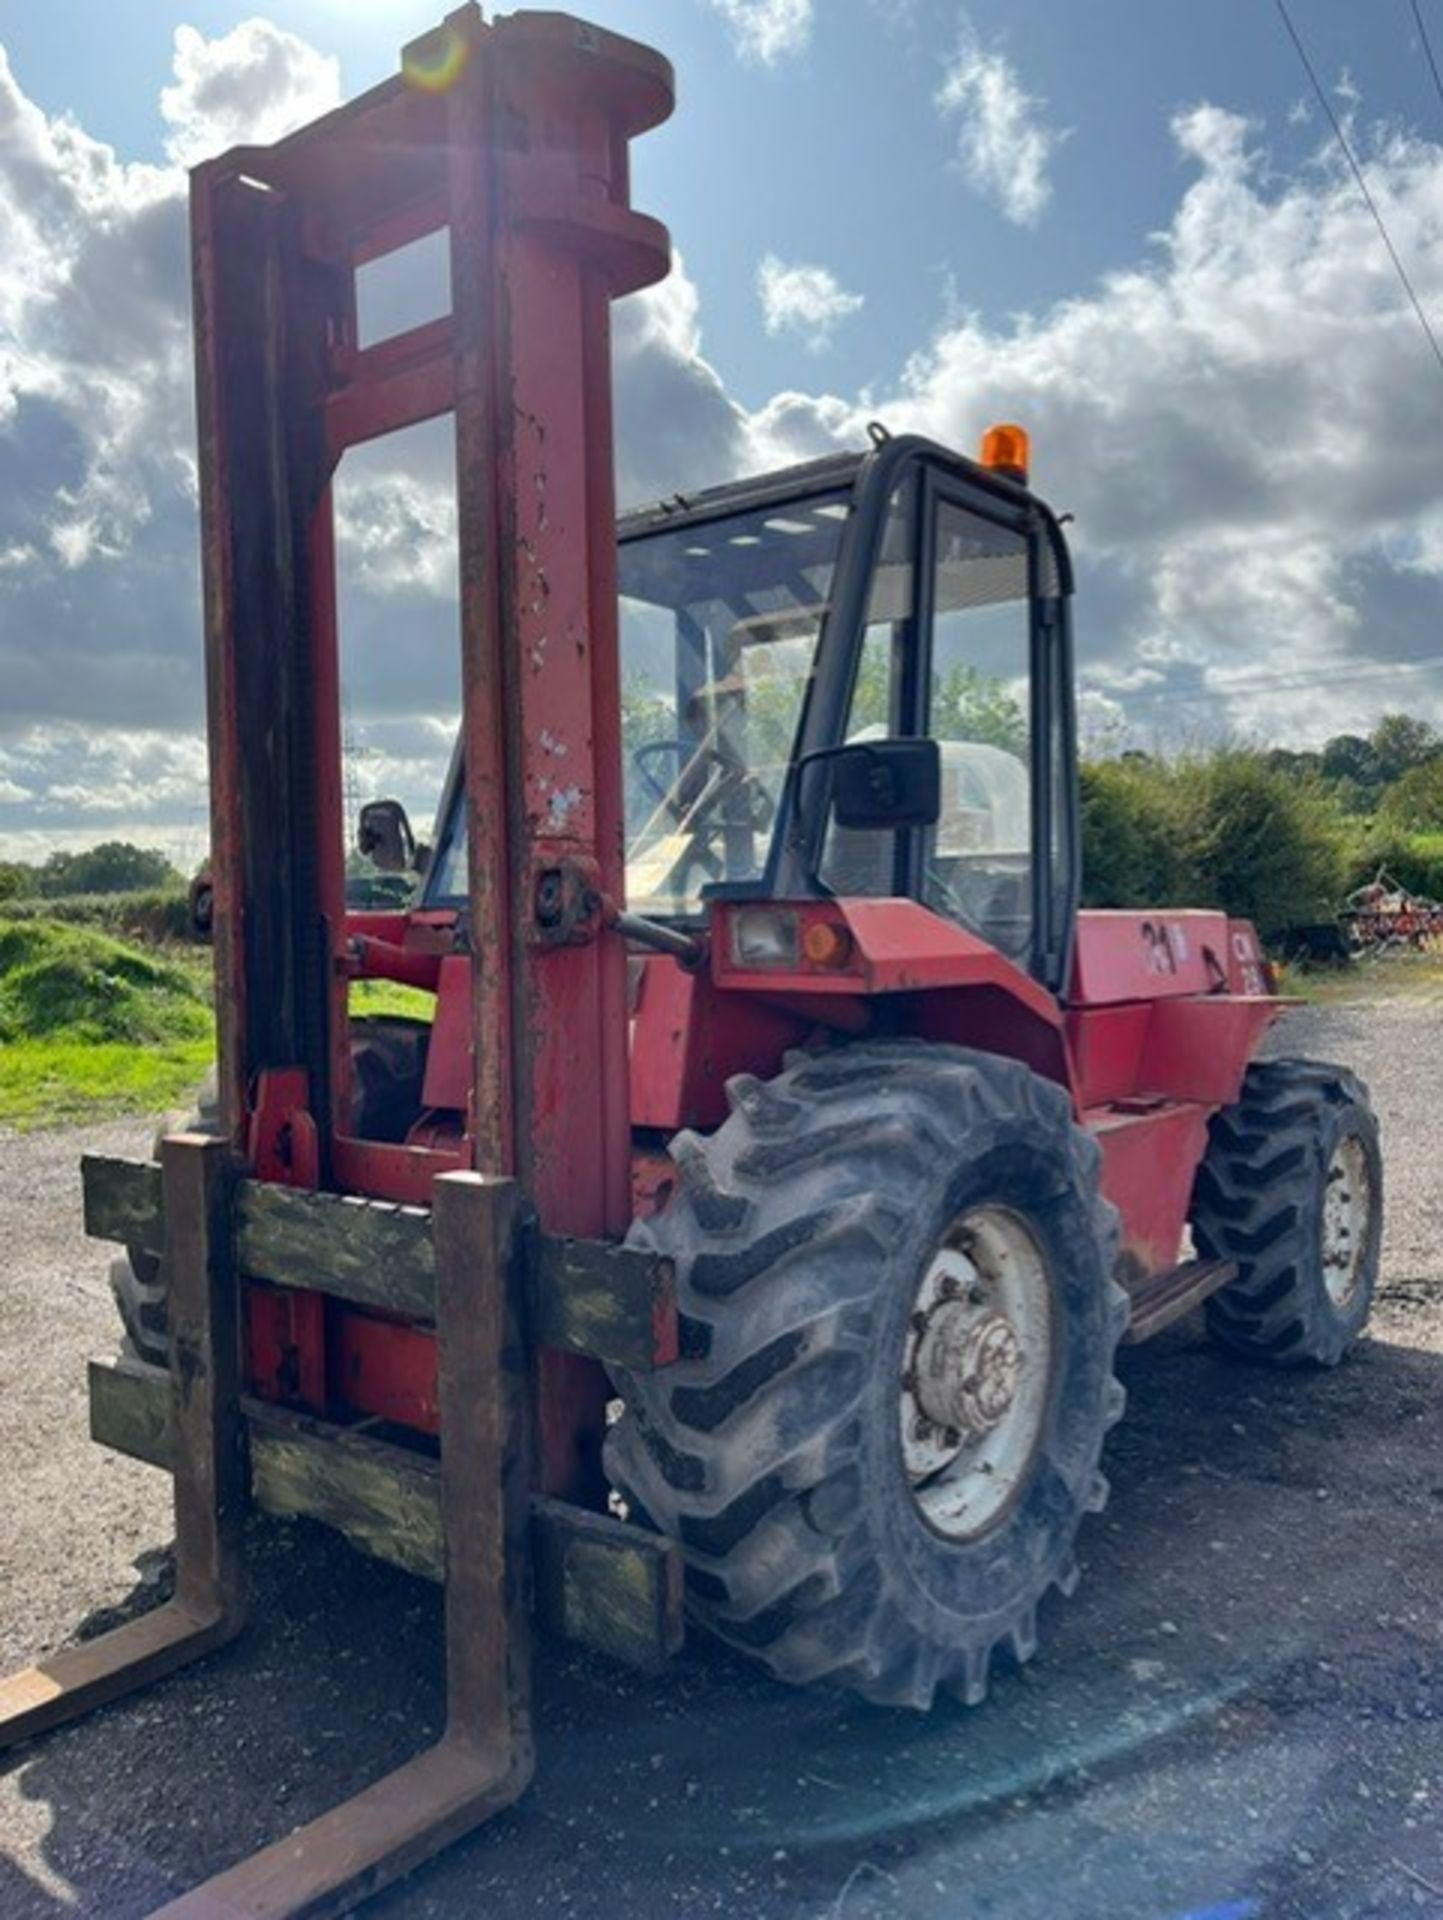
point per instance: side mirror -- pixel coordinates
(384, 836)
(883, 784)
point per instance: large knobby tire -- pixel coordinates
(388, 1062)
(774, 1451)
(1291, 1189)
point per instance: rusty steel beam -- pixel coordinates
(1165, 1297)
(485, 1758)
(210, 1471)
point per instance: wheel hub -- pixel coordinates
(969, 1362)
(976, 1371)
(1347, 1220)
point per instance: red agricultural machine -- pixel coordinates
(758, 1214)
(1384, 916)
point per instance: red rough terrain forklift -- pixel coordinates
(760, 1211)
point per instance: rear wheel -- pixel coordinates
(1291, 1189)
(899, 1323)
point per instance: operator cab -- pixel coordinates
(774, 630)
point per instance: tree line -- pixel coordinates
(113, 867)
(1271, 834)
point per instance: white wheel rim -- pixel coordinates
(1347, 1220)
(976, 1371)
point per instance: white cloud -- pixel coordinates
(254, 84)
(100, 656)
(1004, 146)
(677, 426)
(1242, 420)
(809, 301)
(68, 784)
(1245, 425)
(766, 30)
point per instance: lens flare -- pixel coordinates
(436, 61)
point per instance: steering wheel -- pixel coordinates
(761, 808)
(641, 758)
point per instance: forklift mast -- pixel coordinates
(512, 138)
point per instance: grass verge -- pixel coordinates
(51, 1082)
(92, 1026)
(1392, 976)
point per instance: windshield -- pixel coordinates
(719, 628)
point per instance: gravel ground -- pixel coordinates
(1240, 1713)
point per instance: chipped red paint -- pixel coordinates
(653, 1181)
(282, 1144)
(286, 1340)
(382, 1368)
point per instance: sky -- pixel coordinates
(1125, 223)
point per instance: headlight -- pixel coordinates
(766, 937)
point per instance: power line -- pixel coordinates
(1427, 48)
(1326, 104)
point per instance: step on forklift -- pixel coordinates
(752, 1228)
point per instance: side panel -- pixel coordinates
(1107, 1046)
(1248, 968)
(1148, 956)
(448, 1057)
(687, 1039)
(902, 970)
(1148, 1163)
(1191, 1048)
(993, 1019)
(1200, 1049)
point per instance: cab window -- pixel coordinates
(977, 862)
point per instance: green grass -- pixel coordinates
(91, 1026)
(48, 1082)
(1393, 976)
(370, 998)
(68, 983)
